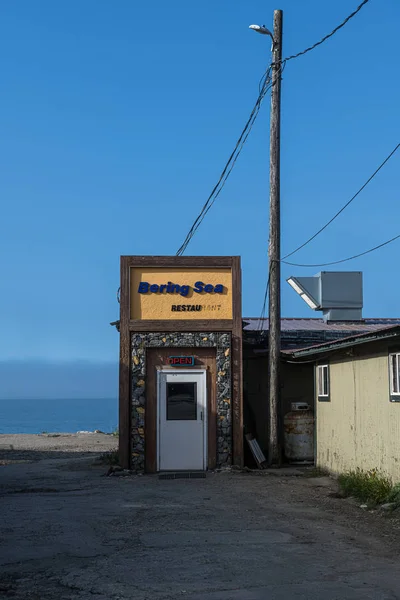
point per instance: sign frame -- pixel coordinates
(129, 326)
(232, 262)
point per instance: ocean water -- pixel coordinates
(58, 416)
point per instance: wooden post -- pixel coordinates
(274, 449)
(124, 370)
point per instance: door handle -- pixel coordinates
(201, 415)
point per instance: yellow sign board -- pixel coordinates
(180, 293)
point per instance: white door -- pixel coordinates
(182, 409)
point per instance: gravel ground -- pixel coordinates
(68, 532)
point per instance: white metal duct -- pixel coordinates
(338, 294)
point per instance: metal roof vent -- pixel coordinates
(337, 294)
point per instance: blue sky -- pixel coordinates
(116, 120)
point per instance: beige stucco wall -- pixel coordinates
(359, 427)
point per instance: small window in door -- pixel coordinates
(182, 401)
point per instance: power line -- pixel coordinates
(265, 85)
(336, 262)
(345, 206)
(263, 314)
(231, 161)
(347, 19)
(264, 308)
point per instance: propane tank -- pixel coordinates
(299, 433)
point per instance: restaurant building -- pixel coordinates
(193, 385)
(180, 382)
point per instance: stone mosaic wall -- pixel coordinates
(222, 343)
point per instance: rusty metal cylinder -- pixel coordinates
(299, 433)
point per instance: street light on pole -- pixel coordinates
(262, 29)
(274, 345)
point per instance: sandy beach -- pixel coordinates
(16, 448)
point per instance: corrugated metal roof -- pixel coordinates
(365, 337)
(294, 324)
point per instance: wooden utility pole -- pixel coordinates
(274, 449)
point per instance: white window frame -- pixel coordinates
(323, 393)
(394, 375)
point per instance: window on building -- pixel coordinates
(394, 364)
(323, 382)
